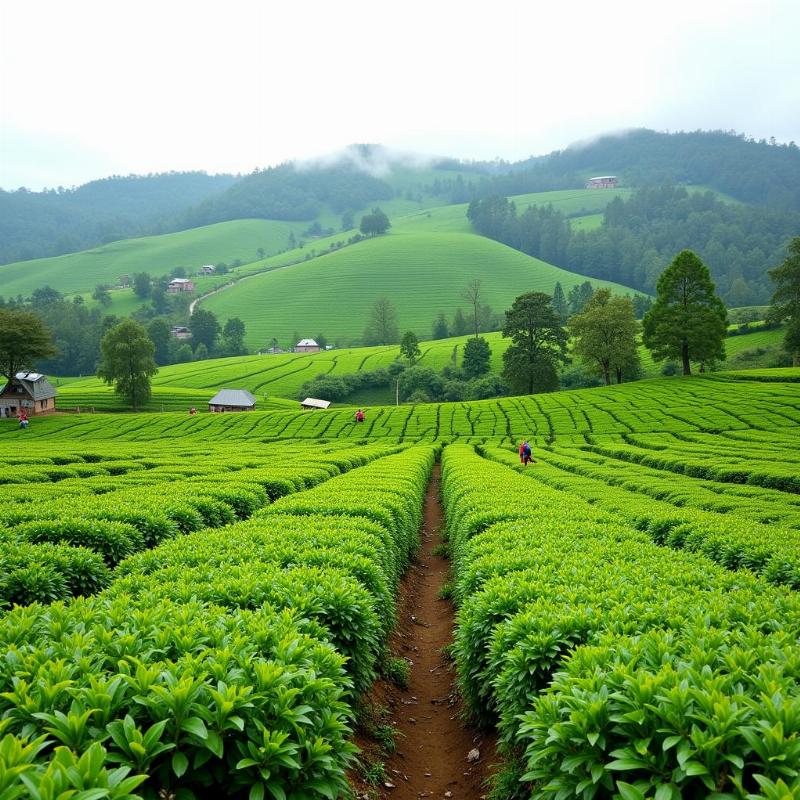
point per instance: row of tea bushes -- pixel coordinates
(728, 539)
(747, 468)
(224, 663)
(118, 523)
(554, 594)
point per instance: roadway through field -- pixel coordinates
(438, 756)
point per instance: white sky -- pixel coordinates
(90, 88)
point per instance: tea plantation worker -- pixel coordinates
(526, 453)
(192, 411)
(23, 419)
(521, 449)
(359, 415)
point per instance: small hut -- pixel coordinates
(232, 400)
(28, 391)
(306, 346)
(312, 404)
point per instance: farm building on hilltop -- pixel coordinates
(232, 400)
(180, 285)
(30, 391)
(208, 269)
(603, 182)
(306, 346)
(312, 404)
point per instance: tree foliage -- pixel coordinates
(159, 332)
(560, 303)
(786, 298)
(374, 223)
(688, 321)
(477, 357)
(205, 328)
(605, 335)
(409, 347)
(440, 329)
(382, 325)
(23, 340)
(233, 337)
(539, 344)
(127, 362)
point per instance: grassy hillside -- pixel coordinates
(81, 272)
(282, 376)
(422, 274)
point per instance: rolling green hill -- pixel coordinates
(422, 274)
(81, 272)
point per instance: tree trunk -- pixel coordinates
(796, 359)
(687, 367)
(607, 376)
(619, 374)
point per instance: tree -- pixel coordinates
(687, 321)
(322, 340)
(560, 303)
(102, 295)
(477, 355)
(200, 352)
(382, 325)
(605, 334)
(159, 333)
(45, 296)
(127, 362)
(409, 347)
(374, 223)
(786, 299)
(183, 354)
(539, 344)
(440, 330)
(472, 294)
(348, 219)
(233, 334)
(579, 296)
(204, 327)
(460, 326)
(141, 285)
(260, 253)
(23, 339)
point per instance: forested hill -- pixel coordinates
(57, 221)
(762, 173)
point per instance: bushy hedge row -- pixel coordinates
(127, 518)
(771, 475)
(546, 583)
(728, 539)
(222, 663)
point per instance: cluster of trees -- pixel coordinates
(375, 223)
(640, 234)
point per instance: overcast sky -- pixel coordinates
(90, 88)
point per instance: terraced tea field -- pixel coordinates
(203, 603)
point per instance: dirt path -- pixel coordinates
(431, 760)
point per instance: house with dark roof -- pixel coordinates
(232, 400)
(30, 391)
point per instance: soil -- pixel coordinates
(433, 743)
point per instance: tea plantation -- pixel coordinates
(192, 606)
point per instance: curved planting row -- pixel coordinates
(68, 546)
(222, 664)
(614, 667)
(729, 539)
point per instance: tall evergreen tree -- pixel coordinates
(460, 325)
(539, 344)
(382, 325)
(440, 330)
(687, 322)
(560, 303)
(786, 299)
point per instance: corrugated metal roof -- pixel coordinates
(306, 343)
(35, 384)
(312, 402)
(233, 397)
